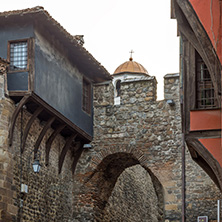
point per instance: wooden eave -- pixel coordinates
(74, 136)
(204, 158)
(33, 102)
(80, 57)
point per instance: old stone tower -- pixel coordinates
(133, 172)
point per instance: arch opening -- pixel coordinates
(122, 184)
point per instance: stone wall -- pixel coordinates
(140, 131)
(201, 193)
(7, 208)
(49, 196)
(133, 187)
(145, 132)
(132, 173)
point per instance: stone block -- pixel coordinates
(171, 207)
(12, 209)
(170, 198)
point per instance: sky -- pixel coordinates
(112, 28)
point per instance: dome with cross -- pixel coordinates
(129, 71)
(131, 67)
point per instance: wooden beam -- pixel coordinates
(203, 134)
(31, 58)
(183, 90)
(77, 155)
(192, 29)
(193, 153)
(187, 85)
(172, 12)
(22, 102)
(84, 135)
(206, 161)
(17, 93)
(192, 77)
(28, 126)
(43, 132)
(65, 149)
(50, 141)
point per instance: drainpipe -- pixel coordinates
(183, 181)
(20, 213)
(183, 128)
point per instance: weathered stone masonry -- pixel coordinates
(7, 187)
(49, 195)
(132, 173)
(141, 131)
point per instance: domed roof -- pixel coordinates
(131, 67)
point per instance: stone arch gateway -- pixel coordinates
(135, 197)
(144, 133)
(120, 183)
(121, 195)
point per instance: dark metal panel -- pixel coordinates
(59, 84)
(17, 81)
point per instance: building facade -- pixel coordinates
(134, 171)
(46, 114)
(200, 32)
(54, 98)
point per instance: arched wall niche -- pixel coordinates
(117, 88)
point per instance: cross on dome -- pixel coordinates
(131, 55)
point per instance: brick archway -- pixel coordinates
(107, 151)
(102, 181)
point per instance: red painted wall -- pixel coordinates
(205, 120)
(213, 145)
(209, 13)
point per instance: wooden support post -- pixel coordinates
(50, 141)
(206, 161)
(77, 155)
(65, 149)
(43, 132)
(28, 126)
(23, 101)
